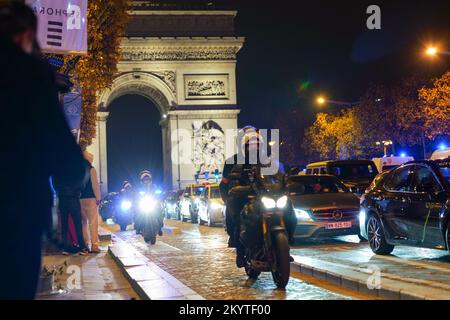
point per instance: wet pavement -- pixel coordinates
(428, 268)
(198, 256)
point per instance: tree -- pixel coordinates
(435, 105)
(409, 118)
(375, 115)
(107, 20)
(334, 136)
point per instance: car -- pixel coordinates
(324, 207)
(210, 206)
(388, 163)
(189, 202)
(171, 202)
(440, 154)
(409, 206)
(357, 175)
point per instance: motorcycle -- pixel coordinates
(119, 208)
(148, 217)
(263, 229)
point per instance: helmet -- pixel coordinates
(126, 185)
(145, 177)
(250, 136)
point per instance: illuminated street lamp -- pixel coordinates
(321, 100)
(385, 145)
(433, 51)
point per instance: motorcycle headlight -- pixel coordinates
(216, 206)
(302, 215)
(126, 205)
(281, 203)
(268, 203)
(147, 204)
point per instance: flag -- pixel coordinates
(62, 25)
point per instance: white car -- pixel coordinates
(210, 206)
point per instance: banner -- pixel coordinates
(72, 111)
(62, 25)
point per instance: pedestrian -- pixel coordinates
(69, 194)
(90, 200)
(36, 142)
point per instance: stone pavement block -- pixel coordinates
(334, 278)
(306, 270)
(122, 251)
(132, 261)
(141, 273)
(319, 274)
(160, 292)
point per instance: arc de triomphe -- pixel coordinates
(184, 61)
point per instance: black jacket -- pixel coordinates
(35, 140)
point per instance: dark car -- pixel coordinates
(324, 207)
(357, 175)
(171, 208)
(409, 206)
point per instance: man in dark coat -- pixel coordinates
(35, 143)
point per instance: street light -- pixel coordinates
(321, 100)
(385, 145)
(431, 51)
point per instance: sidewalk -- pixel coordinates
(409, 273)
(100, 278)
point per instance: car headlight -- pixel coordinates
(362, 216)
(302, 215)
(147, 204)
(126, 205)
(268, 203)
(216, 206)
(281, 203)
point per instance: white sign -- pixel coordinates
(62, 25)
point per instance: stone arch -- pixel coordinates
(148, 84)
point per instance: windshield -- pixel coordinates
(315, 185)
(353, 170)
(198, 190)
(215, 193)
(444, 166)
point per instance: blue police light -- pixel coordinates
(442, 146)
(158, 191)
(403, 154)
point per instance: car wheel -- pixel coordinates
(377, 240)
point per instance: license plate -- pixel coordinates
(339, 225)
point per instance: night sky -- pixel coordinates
(295, 50)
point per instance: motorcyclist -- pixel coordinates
(251, 145)
(145, 177)
(233, 204)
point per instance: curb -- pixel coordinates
(103, 234)
(171, 230)
(357, 281)
(148, 280)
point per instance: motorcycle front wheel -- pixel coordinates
(281, 254)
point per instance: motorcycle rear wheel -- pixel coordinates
(281, 247)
